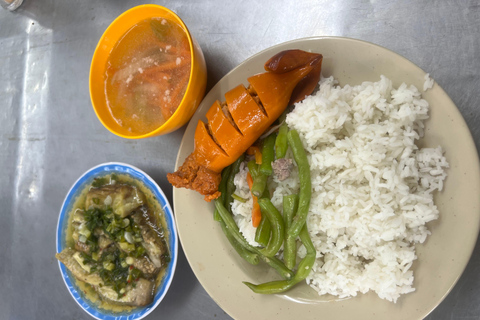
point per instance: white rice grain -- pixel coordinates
(428, 84)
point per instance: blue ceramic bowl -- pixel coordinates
(98, 171)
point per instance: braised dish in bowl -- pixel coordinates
(116, 242)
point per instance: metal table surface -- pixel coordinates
(49, 134)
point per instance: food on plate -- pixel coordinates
(147, 74)
(272, 229)
(371, 193)
(233, 126)
(428, 84)
(116, 244)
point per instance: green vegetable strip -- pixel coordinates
(277, 225)
(230, 184)
(248, 256)
(259, 184)
(232, 227)
(259, 180)
(268, 155)
(307, 241)
(278, 265)
(266, 194)
(305, 183)
(223, 190)
(304, 268)
(290, 204)
(283, 116)
(272, 287)
(281, 144)
(238, 198)
(262, 234)
(253, 168)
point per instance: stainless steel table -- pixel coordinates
(49, 134)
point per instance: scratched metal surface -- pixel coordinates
(49, 134)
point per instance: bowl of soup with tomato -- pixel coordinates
(148, 74)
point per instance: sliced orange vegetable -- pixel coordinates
(254, 150)
(249, 180)
(256, 212)
(166, 66)
(180, 87)
(172, 50)
(154, 78)
(168, 104)
(258, 157)
(165, 110)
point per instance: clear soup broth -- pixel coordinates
(147, 74)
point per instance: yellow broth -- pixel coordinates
(147, 74)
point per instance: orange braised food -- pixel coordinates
(147, 74)
(233, 126)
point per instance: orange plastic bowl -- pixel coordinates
(196, 84)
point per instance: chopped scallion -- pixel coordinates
(125, 246)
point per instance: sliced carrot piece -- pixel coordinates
(258, 156)
(254, 150)
(249, 180)
(256, 213)
(180, 86)
(153, 78)
(183, 50)
(165, 66)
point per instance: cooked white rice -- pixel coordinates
(371, 186)
(428, 84)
